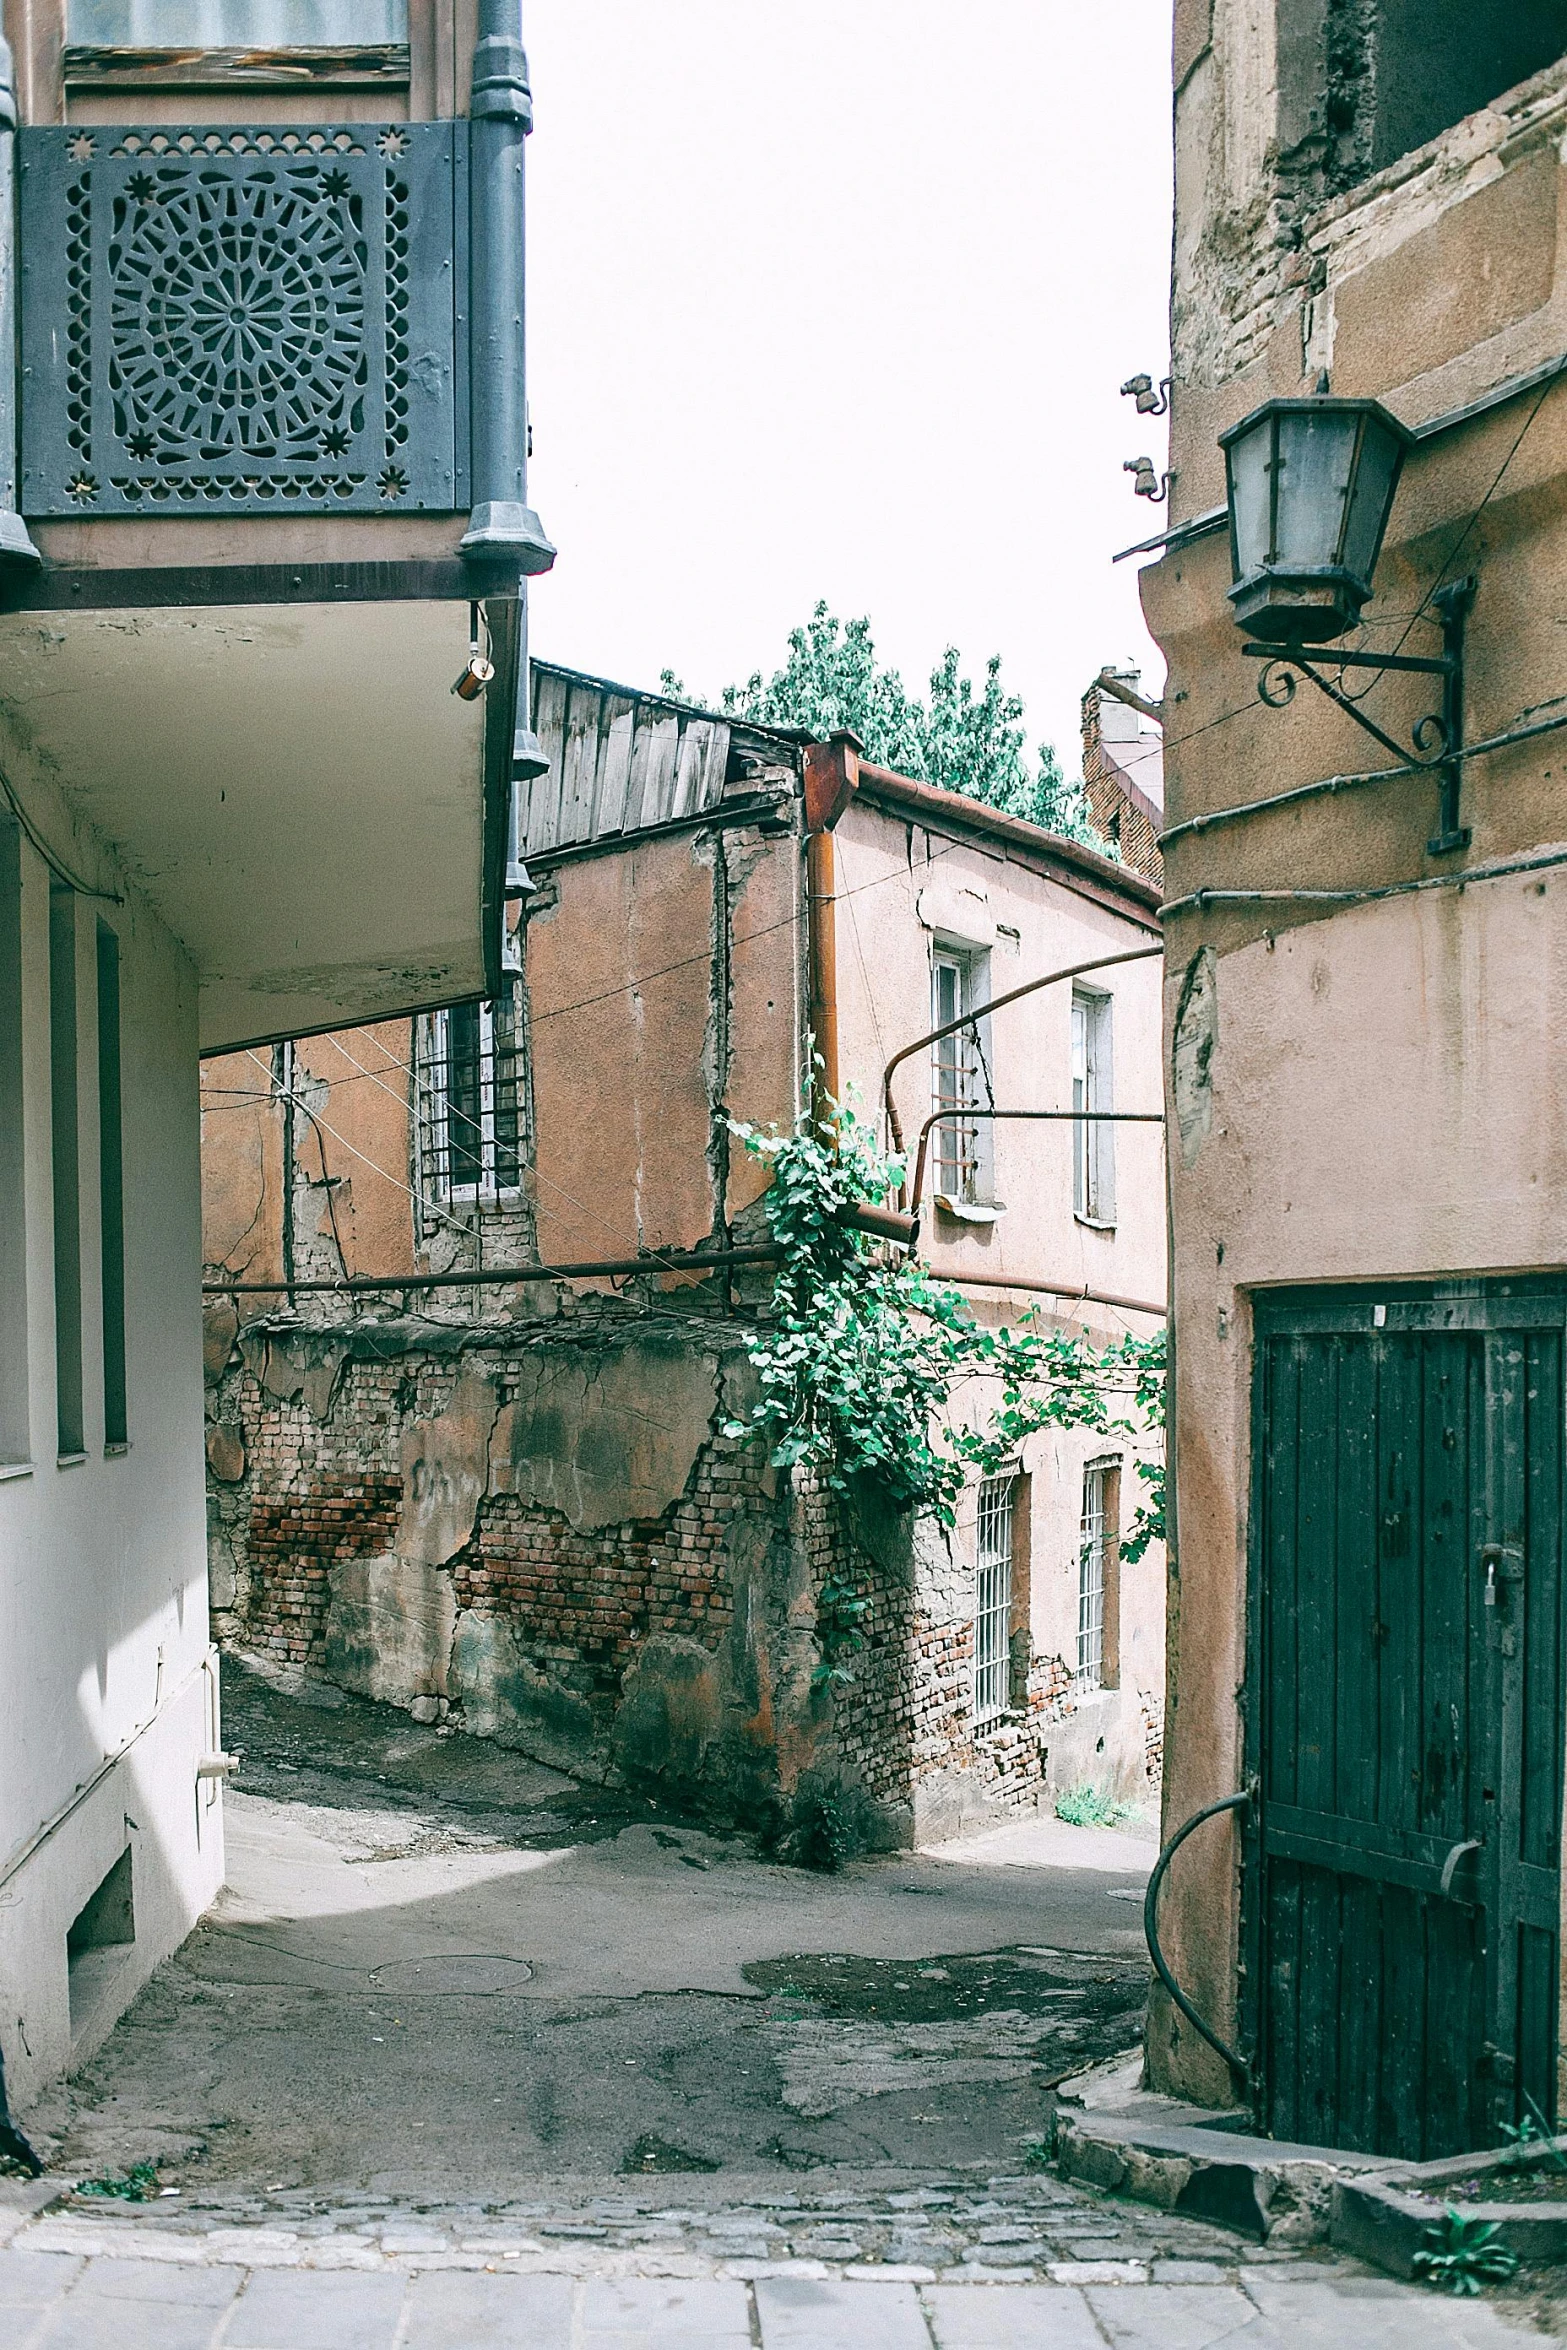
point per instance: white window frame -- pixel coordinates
(1094, 1537)
(1093, 1096)
(993, 1563)
(434, 1115)
(960, 1075)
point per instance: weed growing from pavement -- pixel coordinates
(1463, 2254)
(1087, 1806)
(139, 2185)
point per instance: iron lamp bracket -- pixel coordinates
(1436, 740)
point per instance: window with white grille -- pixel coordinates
(993, 1598)
(468, 1082)
(1092, 1544)
(1093, 1093)
(959, 1080)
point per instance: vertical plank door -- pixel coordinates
(1405, 1713)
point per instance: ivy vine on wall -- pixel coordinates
(862, 1352)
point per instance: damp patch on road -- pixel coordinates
(1063, 1986)
(844, 2029)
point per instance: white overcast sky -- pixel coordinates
(833, 298)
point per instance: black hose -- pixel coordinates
(13, 2146)
(1237, 2063)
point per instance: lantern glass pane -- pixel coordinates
(1250, 484)
(1381, 460)
(1316, 468)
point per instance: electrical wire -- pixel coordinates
(56, 865)
(1544, 861)
(765, 930)
(409, 1069)
(1462, 540)
(655, 1258)
(355, 1153)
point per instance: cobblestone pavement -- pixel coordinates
(954, 2264)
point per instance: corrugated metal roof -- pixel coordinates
(619, 761)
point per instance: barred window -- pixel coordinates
(992, 1598)
(468, 1079)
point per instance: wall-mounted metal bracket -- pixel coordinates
(1436, 740)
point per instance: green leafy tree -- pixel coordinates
(964, 736)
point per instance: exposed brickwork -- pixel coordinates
(1153, 1743)
(875, 1714)
(323, 1486)
(583, 1602)
(296, 1538)
(1123, 808)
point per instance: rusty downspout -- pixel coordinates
(822, 999)
(832, 774)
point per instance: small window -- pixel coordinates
(1095, 1571)
(65, 1158)
(236, 24)
(469, 1081)
(993, 1598)
(111, 1191)
(1093, 1146)
(100, 1935)
(959, 1080)
(14, 1434)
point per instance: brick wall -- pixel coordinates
(581, 1605)
(1123, 809)
(294, 1538)
(320, 1421)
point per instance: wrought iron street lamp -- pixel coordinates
(1311, 484)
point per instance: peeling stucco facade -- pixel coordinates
(1360, 1092)
(516, 1505)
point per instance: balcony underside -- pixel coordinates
(295, 788)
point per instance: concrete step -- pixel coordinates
(1187, 2160)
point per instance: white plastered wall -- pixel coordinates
(110, 1696)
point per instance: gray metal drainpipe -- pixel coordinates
(502, 525)
(16, 546)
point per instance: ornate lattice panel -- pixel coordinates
(246, 320)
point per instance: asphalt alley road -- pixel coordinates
(471, 2057)
(435, 1960)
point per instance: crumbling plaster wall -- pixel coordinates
(546, 1537)
(543, 1534)
(1278, 212)
(1414, 1026)
(663, 985)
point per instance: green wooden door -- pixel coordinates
(1405, 1700)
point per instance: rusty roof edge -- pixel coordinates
(1091, 874)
